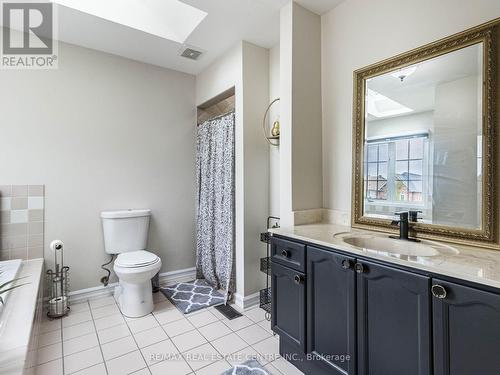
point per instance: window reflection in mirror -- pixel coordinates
(423, 144)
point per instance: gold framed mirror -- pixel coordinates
(424, 140)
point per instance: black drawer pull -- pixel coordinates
(438, 291)
(285, 253)
(359, 268)
(346, 264)
(298, 279)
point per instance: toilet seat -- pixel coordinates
(136, 259)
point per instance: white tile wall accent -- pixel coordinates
(21, 221)
(18, 216)
(35, 203)
(5, 204)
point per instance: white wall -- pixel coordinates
(246, 68)
(103, 132)
(256, 162)
(307, 172)
(300, 107)
(456, 186)
(285, 169)
(358, 33)
(274, 113)
(395, 126)
(220, 76)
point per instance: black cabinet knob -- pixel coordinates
(438, 291)
(359, 268)
(298, 279)
(285, 253)
(346, 264)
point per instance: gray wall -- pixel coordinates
(103, 132)
(301, 173)
(349, 45)
(307, 167)
(456, 183)
(246, 68)
(255, 161)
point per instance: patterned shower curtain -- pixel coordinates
(215, 211)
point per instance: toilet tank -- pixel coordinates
(125, 230)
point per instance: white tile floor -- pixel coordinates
(95, 339)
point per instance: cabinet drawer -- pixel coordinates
(288, 253)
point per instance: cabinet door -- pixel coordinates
(466, 330)
(288, 304)
(394, 330)
(331, 309)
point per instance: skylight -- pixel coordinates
(169, 19)
(379, 105)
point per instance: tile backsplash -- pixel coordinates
(21, 221)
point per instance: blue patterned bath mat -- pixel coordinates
(192, 296)
(251, 367)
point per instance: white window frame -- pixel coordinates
(426, 202)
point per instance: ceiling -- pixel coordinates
(417, 91)
(227, 22)
(319, 6)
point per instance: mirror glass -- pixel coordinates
(423, 140)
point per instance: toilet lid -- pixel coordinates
(139, 258)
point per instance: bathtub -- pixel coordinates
(9, 270)
(20, 316)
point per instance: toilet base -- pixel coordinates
(134, 299)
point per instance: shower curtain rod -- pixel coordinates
(217, 117)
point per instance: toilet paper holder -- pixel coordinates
(58, 283)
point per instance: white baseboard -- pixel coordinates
(92, 293)
(178, 276)
(170, 277)
(245, 302)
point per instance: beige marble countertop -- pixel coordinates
(472, 264)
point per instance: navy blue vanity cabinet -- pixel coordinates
(288, 305)
(394, 327)
(466, 326)
(388, 320)
(331, 310)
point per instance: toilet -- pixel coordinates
(126, 234)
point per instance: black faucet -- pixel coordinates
(414, 216)
(404, 224)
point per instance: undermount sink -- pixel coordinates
(398, 247)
